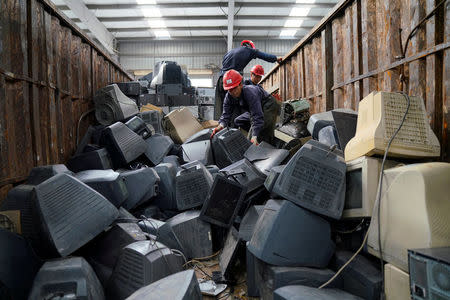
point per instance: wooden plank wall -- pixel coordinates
(357, 49)
(48, 75)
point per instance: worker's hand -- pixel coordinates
(216, 130)
(254, 140)
(279, 59)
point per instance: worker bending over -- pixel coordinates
(237, 59)
(248, 107)
(256, 73)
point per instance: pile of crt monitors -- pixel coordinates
(131, 207)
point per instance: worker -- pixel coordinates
(237, 59)
(256, 73)
(249, 107)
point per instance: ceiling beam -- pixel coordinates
(230, 26)
(207, 28)
(205, 4)
(96, 27)
(203, 38)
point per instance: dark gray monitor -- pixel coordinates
(228, 256)
(142, 184)
(172, 159)
(248, 222)
(179, 286)
(92, 160)
(153, 118)
(288, 235)
(202, 135)
(42, 173)
(158, 146)
(140, 264)
(250, 263)
(229, 146)
(245, 173)
(107, 182)
(64, 203)
(314, 178)
(192, 184)
(166, 200)
(187, 233)
(133, 88)
(200, 151)
(264, 156)
(151, 226)
(272, 177)
(301, 292)
(67, 278)
(123, 144)
(18, 266)
(360, 277)
(223, 202)
(328, 136)
(139, 126)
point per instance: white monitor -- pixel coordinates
(379, 116)
(361, 185)
(414, 212)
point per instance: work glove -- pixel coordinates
(216, 130)
(279, 59)
(254, 140)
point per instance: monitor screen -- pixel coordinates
(228, 256)
(223, 202)
(353, 189)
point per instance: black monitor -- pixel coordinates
(257, 197)
(67, 278)
(187, 233)
(123, 144)
(140, 264)
(200, 151)
(92, 160)
(264, 156)
(314, 178)
(272, 177)
(64, 203)
(172, 159)
(166, 200)
(223, 202)
(107, 182)
(269, 278)
(18, 266)
(345, 124)
(328, 136)
(248, 222)
(179, 286)
(288, 235)
(245, 173)
(360, 277)
(139, 126)
(228, 256)
(151, 226)
(202, 135)
(192, 184)
(42, 173)
(133, 88)
(301, 292)
(153, 118)
(229, 146)
(250, 263)
(158, 146)
(142, 184)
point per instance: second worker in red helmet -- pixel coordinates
(256, 74)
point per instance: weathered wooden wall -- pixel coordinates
(49, 70)
(357, 49)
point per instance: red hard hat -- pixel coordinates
(248, 42)
(231, 79)
(257, 70)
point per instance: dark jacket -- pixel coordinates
(238, 58)
(251, 101)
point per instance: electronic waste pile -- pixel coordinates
(146, 197)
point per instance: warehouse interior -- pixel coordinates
(230, 150)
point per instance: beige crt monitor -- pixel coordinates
(414, 212)
(379, 116)
(361, 185)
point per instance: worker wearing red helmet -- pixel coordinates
(256, 74)
(254, 107)
(237, 59)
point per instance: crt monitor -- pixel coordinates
(288, 235)
(379, 116)
(192, 184)
(153, 118)
(229, 146)
(92, 160)
(69, 278)
(186, 284)
(246, 174)
(415, 206)
(187, 233)
(361, 184)
(302, 292)
(142, 185)
(165, 199)
(139, 126)
(140, 264)
(264, 156)
(158, 146)
(314, 178)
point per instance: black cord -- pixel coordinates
(381, 183)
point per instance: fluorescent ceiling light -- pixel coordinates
(306, 1)
(299, 11)
(161, 33)
(288, 32)
(156, 23)
(145, 1)
(293, 23)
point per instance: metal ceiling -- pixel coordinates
(167, 19)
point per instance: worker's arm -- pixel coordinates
(253, 98)
(265, 56)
